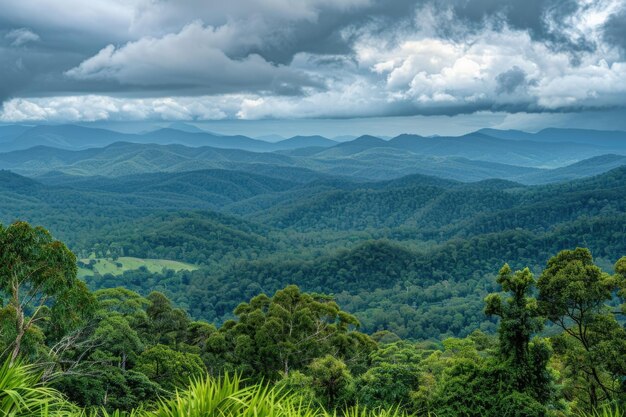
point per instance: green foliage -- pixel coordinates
(108, 388)
(227, 397)
(22, 394)
(273, 336)
(620, 272)
(299, 384)
(519, 320)
(573, 292)
(605, 411)
(483, 390)
(391, 378)
(414, 255)
(302, 354)
(169, 368)
(38, 278)
(331, 380)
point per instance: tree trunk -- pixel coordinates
(19, 323)
(20, 335)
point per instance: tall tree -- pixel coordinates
(38, 277)
(620, 274)
(285, 332)
(170, 368)
(520, 319)
(573, 293)
(168, 325)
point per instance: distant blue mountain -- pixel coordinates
(587, 136)
(73, 137)
(297, 142)
(10, 132)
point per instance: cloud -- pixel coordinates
(19, 37)
(614, 30)
(194, 58)
(310, 58)
(511, 80)
(92, 108)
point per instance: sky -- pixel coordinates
(333, 67)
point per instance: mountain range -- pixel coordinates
(413, 223)
(529, 158)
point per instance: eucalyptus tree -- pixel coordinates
(273, 336)
(39, 285)
(573, 293)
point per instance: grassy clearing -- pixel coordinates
(120, 265)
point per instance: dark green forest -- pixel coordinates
(338, 276)
(414, 256)
(559, 345)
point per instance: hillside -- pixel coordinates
(488, 153)
(75, 137)
(361, 240)
(123, 159)
(587, 136)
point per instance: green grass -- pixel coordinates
(119, 266)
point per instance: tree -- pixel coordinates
(520, 319)
(331, 380)
(169, 368)
(482, 389)
(299, 384)
(109, 387)
(168, 325)
(573, 292)
(276, 335)
(118, 340)
(620, 274)
(392, 377)
(123, 301)
(38, 276)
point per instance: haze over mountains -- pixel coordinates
(413, 223)
(363, 241)
(530, 158)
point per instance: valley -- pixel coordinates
(429, 244)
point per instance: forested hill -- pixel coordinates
(397, 253)
(547, 156)
(360, 224)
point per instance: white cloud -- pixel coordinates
(92, 108)
(21, 36)
(195, 57)
(408, 68)
(465, 73)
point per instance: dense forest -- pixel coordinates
(337, 279)
(414, 255)
(559, 347)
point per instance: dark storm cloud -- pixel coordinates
(615, 30)
(511, 80)
(531, 15)
(324, 34)
(62, 48)
(33, 63)
(68, 46)
(312, 57)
